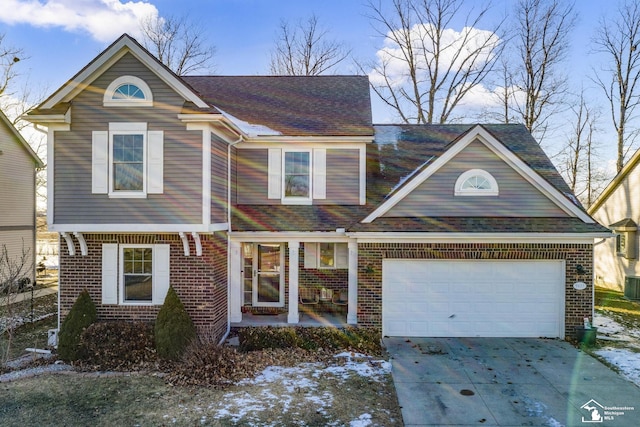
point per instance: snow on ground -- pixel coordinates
(240, 406)
(626, 360)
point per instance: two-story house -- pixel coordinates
(18, 168)
(254, 194)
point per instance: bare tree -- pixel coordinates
(177, 43)
(14, 275)
(9, 58)
(305, 50)
(542, 35)
(578, 158)
(426, 68)
(618, 39)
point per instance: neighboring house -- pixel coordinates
(18, 167)
(253, 194)
(618, 207)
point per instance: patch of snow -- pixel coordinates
(359, 364)
(387, 135)
(627, 361)
(363, 421)
(250, 129)
(609, 327)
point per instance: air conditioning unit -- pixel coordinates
(632, 288)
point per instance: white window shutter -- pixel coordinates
(100, 162)
(342, 255)
(155, 162)
(275, 174)
(161, 280)
(109, 273)
(319, 173)
(310, 255)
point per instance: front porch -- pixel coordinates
(288, 283)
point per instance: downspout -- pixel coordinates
(226, 334)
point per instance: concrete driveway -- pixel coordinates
(507, 382)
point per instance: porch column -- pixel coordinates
(235, 281)
(352, 314)
(294, 316)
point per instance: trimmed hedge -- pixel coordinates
(80, 317)
(366, 340)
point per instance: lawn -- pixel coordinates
(346, 390)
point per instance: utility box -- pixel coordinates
(632, 288)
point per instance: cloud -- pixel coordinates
(104, 20)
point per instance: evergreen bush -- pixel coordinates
(80, 317)
(174, 329)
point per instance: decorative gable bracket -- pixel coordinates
(71, 246)
(185, 243)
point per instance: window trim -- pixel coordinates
(296, 200)
(128, 129)
(109, 101)
(465, 176)
(121, 295)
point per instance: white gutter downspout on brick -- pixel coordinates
(240, 139)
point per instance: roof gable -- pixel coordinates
(20, 140)
(627, 169)
(108, 57)
(511, 196)
(443, 153)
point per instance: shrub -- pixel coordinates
(81, 316)
(207, 363)
(174, 329)
(118, 345)
(366, 340)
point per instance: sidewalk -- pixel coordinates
(27, 295)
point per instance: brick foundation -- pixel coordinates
(578, 304)
(200, 281)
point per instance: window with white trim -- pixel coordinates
(297, 176)
(137, 273)
(476, 182)
(128, 91)
(127, 160)
(134, 274)
(326, 255)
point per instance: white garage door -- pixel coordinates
(462, 298)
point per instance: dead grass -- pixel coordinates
(309, 395)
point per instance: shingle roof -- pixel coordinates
(292, 105)
(479, 225)
(404, 148)
(398, 150)
(305, 218)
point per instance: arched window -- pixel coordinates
(128, 91)
(476, 182)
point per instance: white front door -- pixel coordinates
(469, 298)
(267, 275)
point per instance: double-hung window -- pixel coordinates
(128, 154)
(135, 274)
(297, 174)
(127, 160)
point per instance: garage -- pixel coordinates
(473, 298)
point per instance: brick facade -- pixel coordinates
(200, 281)
(578, 304)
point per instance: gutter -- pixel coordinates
(240, 139)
